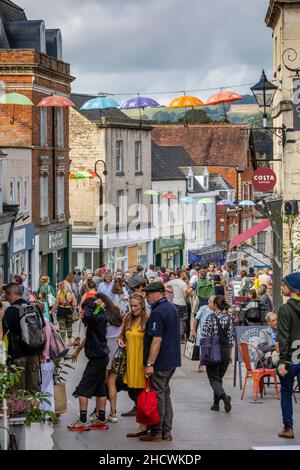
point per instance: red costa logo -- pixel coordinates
(264, 179)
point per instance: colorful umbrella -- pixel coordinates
(188, 200)
(80, 175)
(101, 102)
(225, 202)
(139, 102)
(55, 100)
(72, 176)
(185, 102)
(151, 192)
(223, 97)
(169, 196)
(247, 203)
(15, 99)
(92, 173)
(206, 200)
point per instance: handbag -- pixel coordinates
(50, 298)
(191, 351)
(118, 365)
(147, 406)
(58, 348)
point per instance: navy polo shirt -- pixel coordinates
(164, 322)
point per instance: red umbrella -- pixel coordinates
(169, 196)
(55, 100)
(223, 97)
(91, 172)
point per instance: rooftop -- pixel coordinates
(208, 144)
(9, 11)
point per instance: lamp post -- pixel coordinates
(104, 173)
(264, 92)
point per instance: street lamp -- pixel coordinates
(264, 92)
(104, 173)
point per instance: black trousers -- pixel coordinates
(134, 393)
(215, 375)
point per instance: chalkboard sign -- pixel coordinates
(249, 334)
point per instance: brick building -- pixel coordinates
(37, 143)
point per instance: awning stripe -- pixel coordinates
(250, 233)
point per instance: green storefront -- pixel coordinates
(55, 248)
(169, 252)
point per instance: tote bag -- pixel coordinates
(147, 406)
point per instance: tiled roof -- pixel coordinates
(217, 182)
(111, 115)
(166, 162)
(208, 144)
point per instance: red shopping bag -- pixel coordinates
(147, 406)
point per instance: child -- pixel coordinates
(92, 383)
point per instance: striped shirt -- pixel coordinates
(210, 327)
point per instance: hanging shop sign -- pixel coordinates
(264, 179)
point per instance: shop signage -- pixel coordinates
(296, 104)
(264, 179)
(19, 240)
(169, 244)
(56, 241)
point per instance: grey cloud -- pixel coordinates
(160, 44)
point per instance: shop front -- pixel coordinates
(20, 250)
(5, 231)
(55, 254)
(169, 252)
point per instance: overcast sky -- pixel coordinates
(130, 46)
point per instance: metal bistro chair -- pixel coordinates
(256, 374)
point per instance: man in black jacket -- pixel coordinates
(289, 349)
(92, 383)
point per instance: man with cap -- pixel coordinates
(161, 356)
(289, 349)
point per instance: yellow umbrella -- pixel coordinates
(185, 102)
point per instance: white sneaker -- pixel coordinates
(112, 418)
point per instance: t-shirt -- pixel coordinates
(11, 323)
(179, 288)
(152, 274)
(104, 288)
(164, 322)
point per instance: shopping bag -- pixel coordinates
(191, 351)
(60, 398)
(147, 406)
(58, 347)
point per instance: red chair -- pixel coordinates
(257, 374)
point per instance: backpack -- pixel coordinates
(31, 324)
(213, 348)
(253, 314)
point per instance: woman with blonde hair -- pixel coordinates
(132, 338)
(65, 306)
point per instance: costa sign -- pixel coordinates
(264, 179)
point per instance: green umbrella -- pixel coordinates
(86, 174)
(206, 200)
(151, 192)
(15, 98)
(80, 175)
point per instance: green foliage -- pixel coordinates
(9, 378)
(196, 116)
(61, 363)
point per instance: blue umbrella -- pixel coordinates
(225, 202)
(188, 199)
(247, 203)
(139, 102)
(101, 102)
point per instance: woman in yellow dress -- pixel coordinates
(132, 337)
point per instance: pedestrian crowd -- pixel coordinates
(131, 326)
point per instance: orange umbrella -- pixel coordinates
(72, 176)
(169, 196)
(185, 102)
(223, 97)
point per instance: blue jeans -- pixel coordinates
(287, 386)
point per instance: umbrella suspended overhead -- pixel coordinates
(169, 196)
(92, 173)
(15, 99)
(185, 102)
(206, 200)
(225, 202)
(72, 176)
(101, 102)
(55, 101)
(223, 97)
(188, 200)
(247, 203)
(151, 192)
(140, 102)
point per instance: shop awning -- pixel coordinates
(250, 233)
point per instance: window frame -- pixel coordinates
(60, 126)
(119, 156)
(138, 156)
(60, 198)
(43, 126)
(44, 197)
